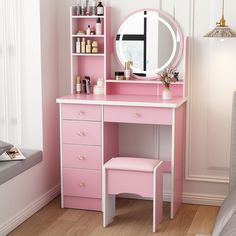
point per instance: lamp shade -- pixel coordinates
(221, 30)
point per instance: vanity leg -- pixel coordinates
(157, 196)
(108, 201)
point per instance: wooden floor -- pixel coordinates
(134, 218)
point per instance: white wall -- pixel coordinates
(212, 82)
(28, 192)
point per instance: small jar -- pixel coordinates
(119, 75)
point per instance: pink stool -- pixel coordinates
(132, 175)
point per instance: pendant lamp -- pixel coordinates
(221, 30)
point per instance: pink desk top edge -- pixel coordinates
(122, 100)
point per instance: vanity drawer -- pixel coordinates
(82, 183)
(81, 132)
(141, 115)
(83, 157)
(81, 112)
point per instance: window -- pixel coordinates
(20, 73)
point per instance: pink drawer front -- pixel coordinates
(83, 157)
(81, 112)
(141, 115)
(82, 183)
(81, 132)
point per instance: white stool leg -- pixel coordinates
(157, 195)
(108, 201)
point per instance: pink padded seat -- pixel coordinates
(140, 176)
(133, 164)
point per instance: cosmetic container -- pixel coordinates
(82, 9)
(98, 26)
(119, 75)
(88, 46)
(88, 31)
(87, 8)
(83, 45)
(77, 46)
(94, 9)
(78, 85)
(100, 9)
(99, 87)
(127, 70)
(87, 84)
(78, 9)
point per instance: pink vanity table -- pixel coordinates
(89, 123)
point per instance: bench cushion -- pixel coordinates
(132, 163)
(10, 169)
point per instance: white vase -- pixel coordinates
(166, 93)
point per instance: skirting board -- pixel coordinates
(190, 198)
(28, 211)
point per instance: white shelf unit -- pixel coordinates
(94, 65)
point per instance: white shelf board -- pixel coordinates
(139, 81)
(88, 36)
(86, 17)
(88, 54)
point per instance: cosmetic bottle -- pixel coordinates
(83, 88)
(98, 26)
(88, 31)
(77, 46)
(99, 87)
(78, 8)
(82, 9)
(78, 85)
(88, 46)
(83, 45)
(127, 70)
(100, 9)
(93, 7)
(94, 47)
(87, 8)
(87, 84)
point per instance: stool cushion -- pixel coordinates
(133, 164)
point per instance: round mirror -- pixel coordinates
(151, 40)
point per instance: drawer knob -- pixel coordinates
(81, 113)
(138, 115)
(81, 134)
(81, 158)
(81, 184)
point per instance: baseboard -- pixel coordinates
(28, 211)
(203, 199)
(190, 198)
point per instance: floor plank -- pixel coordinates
(134, 218)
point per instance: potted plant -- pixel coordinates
(168, 76)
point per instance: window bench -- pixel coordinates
(10, 169)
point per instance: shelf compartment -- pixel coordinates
(82, 24)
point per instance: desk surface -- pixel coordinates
(122, 100)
